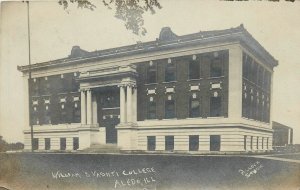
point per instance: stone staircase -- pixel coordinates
(102, 148)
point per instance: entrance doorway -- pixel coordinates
(108, 101)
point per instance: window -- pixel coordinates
(194, 142)
(47, 115)
(215, 106)
(169, 143)
(170, 72)
(151, 112)
(245, 142)
(194, 70)
(151, 143)
(76, 112)
(215, 142)
(75, 143)
(169, 109)
(257, 142)
(267, 142)
(35, 144)
(47, 144)
(194, 106)
(62, 143)
(110, 100)
(251, 142)
(216, 65)
(151, 74)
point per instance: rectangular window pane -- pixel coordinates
(216, 65)
(215, 107)
(151, 74)
(194, 142)
(151, 143)
(245, 142)
(194, 70)
(169, 143)
(151, 110)
(194, 107)
(169, 109)
(35, 144)
(170, 72)
(75, 143)
(47, 144)
(62, 143)
(215, 142)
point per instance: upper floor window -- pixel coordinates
(215, 106)
(110, 100)
(194, 70)
(170, 71)
(216, 69)
(170, 108)
(194, 106)
(151, 72)
(151, 109)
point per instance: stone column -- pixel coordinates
(95, 112)
(129, 103)
(134, 104)
(122, 105)
(89, 107)
(83, 107)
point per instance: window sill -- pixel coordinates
(215, 117)
(169, 82)
(147, 84)
(216, 77)
(194, 79)
(191, 118)
(169, 119)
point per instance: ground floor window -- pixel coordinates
(194, 142)
(35, 144)
(151, 143)
(267, 142)
(62, 143)
(251, 143)
(245, 142)
(47, 143)
(75, 143)
(215, 142)
(262, 143)
(257, 143)
(169, 143)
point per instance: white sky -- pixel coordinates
(54, 31)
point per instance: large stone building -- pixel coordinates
(208, 91)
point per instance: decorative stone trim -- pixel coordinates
(152, 91)
(215, 85)
(170, 89)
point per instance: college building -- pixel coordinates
(209, 91)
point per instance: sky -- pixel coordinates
(54, 31)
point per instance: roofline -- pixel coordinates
(134, 49)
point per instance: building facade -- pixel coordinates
(204, 92)
(282, 136)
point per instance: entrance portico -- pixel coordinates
(99, 119)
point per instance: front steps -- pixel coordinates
(102, 148)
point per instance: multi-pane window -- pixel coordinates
(245, 142)
(216, 69)
(35, 143)
(75, 143)
(169, 143)
(170, 108)
(151, 73)
(194, 142)
(63, 143)
(47, 144)
(170, 71)
(110, 100)
(215, 106)
(76, 112)
(151, 143)
(194, 70)
(215, 142)
(194, 106)
(151, 108)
